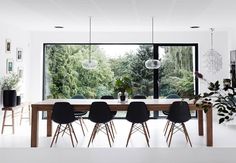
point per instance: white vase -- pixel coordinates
(122, 97)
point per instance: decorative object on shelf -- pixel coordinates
(233, 67)
(223, 99)
(124, 86)
(213, 61)
(8, 46)
(19, 53)
(152, 63)
(9, 66)
(20, 72)
(9, 85)
(89, 63)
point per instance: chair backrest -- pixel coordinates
(100, 112)
(137, 112)
(170, 96)
(173, 96)
(179, 112)
(78, 97)
(139, 97)
(63, 113)
(107, 97)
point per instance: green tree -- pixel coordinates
(67, 77)
(141, 76)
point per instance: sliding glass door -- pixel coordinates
(176, 74)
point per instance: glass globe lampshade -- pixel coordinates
(152, 64)
(89, 64)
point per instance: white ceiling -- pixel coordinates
(118, 15)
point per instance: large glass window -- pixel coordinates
(64, 76)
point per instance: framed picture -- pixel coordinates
(20, 72)
(8, 46)
(9, 66)
(19, 53)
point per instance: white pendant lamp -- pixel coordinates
(89, 63)
(213, 61)
(152, 63)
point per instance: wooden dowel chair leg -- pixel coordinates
(187, 135)
(71, 138)
(81, 124)
(112, 122)
(13, 124)
(73, 131)
(54, 136)
(58, 133)
(4, 120)
(145, 133)
(145, 123)
(82, 119)
(21, 115)
(166, 128)
(107, 131)
(95, 131)
(130, 132)
(171, 134)
(112, 132)
(91, 137)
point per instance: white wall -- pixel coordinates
(202, 38)
(19, 39)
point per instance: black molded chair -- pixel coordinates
(143, 97)
(101, 115)
(79, 114)
(137, 114)
(139, 97)
(171, 96)
(112, 125)
(178, 114)
(63, 114)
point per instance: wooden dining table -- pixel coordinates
(115, 105)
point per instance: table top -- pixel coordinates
(115, 104)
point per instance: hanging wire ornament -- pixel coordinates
(89, 63)
(213, 61)
(152, 63)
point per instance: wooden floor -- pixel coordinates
(224, 136)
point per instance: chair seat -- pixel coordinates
(113, 113)
(79, 113)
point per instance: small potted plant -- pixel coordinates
(9, 85)
(124, 86)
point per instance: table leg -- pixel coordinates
(200, 122)
(34, 128)
(209, 125)
(49, 123)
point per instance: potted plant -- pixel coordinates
(124, 86)
(9, 85)
(223, 99)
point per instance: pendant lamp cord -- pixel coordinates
(90, 33)
(212, 30)
(152, 30)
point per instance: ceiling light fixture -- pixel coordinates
(213, 58)
(152, 63)
(195, 27)
(89, 64)
(58, 26)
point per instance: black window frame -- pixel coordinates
(156, 56)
